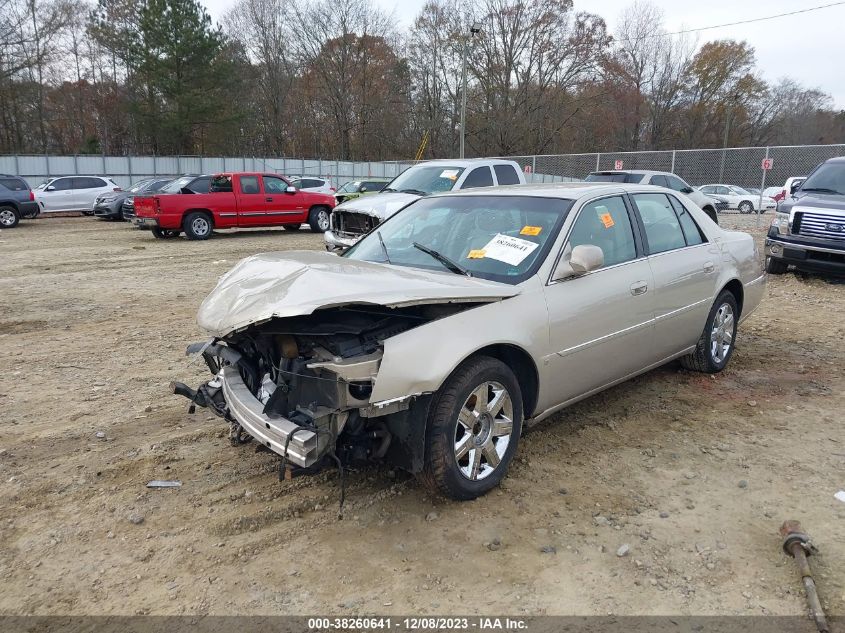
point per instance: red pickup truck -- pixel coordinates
(234, 200)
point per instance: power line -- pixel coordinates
(749, 21)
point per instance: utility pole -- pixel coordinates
(475, 28)
(728, 114)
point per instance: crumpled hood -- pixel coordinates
(294, 283)
(381, 205)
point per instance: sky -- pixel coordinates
(803, 47)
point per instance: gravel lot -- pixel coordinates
(691, 474)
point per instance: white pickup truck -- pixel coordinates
(353, 219)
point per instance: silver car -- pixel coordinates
(436, 338)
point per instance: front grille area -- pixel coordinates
(826, 225)
(351, 224)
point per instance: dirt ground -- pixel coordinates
(693, 473)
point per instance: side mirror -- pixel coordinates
(686, 189)
(49, 188)
(584, 258)
(363, 190)
(290, 189)
(795, 186)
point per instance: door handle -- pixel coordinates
(709, 267)
(268, 199)
(639, 288)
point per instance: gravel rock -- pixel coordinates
(623, 550)
(548, 549)
(100, 435)
(494, 545)
(742, 483)
(136, 519)
(664, 515)
(432, 516)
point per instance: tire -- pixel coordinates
(712, 214)
(291, 227)
(746, 206)
(197, 225)
(776, 266)
(9, 217)
(716, 345)
(318, 218)
(161, 234)
(456, 454)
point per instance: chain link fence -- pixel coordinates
(740, 166)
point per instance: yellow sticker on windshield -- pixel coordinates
(607, 220)
(476, 254)
(531, 230)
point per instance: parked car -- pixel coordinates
(234, 200)
(808, 230)
(791, 183)
(738, 198)
(772, 192)
(313, 184)
(112, 205)
(659, 179)
(127, 209)
(17, 201)
(357, 188)
(73, 193)
(352, 219)
(433, 340)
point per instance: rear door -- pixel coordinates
(685, 268)
(478, 177)
(283, 207)
(251, 207)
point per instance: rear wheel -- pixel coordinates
(716, 345)
(473, 429)
(291, 227)
(746, 206)
(776, 266)
(319, 219)
(9, 217)
(197, 226)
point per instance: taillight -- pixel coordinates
(31, 195)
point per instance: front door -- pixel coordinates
(685, 268)
(60, 195)
(282, 207)
(601, 322)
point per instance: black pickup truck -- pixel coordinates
(808, 230)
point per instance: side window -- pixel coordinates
(708, 189)
(13, 184)
(506, 175)
(722, 191)
(676, 183)
(274, 185)
(662, 228)
(691, 230)
(605, 223)
(375, 186)
(62, 184)
(249, 184)
(660, 181)
(200, 185)
(221, 184)
(478, 177)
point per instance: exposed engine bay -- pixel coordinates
(301, 386)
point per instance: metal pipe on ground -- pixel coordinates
(797, 544)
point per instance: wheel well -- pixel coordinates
(319, 206)
(734, 286)
(203, 211)
(9, 203)
(523, 367)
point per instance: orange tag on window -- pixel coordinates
(476, 254)
(607, 220)
(531, 230)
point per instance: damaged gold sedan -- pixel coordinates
(431, 341)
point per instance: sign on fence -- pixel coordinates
(618, 165)
(767, 164)
(527, 169)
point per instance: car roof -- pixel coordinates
(564, 190)
(643, 172)
(465, 162)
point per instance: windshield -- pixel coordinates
(426, 179)
(827, 178)
(177, 185)
(350, 187)
(501, 238)
(613, 177)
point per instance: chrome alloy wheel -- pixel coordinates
(722, 333)
(483, 430)
(201, 226)
(323, 220)
(7, 217)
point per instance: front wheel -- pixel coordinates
(716, 345)
(319, 219)
(746, 206)
(473, 429)
(9, 217)
(197, 226)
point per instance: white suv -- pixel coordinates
(313, 184)
(73, 193)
